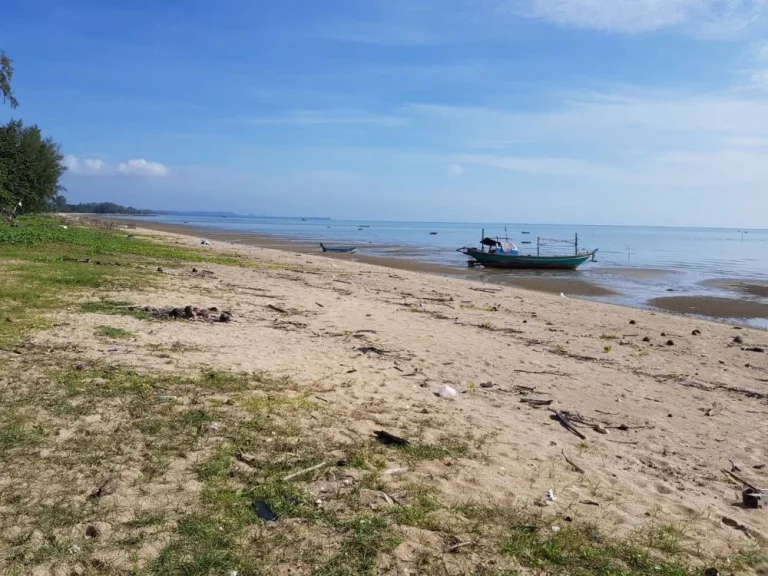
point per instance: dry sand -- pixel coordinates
(378, 343)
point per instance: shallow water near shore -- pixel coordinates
(635, 265)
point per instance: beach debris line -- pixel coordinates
(188, 312)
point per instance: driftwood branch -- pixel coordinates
(458, 546)
(739, 479)
(576, 467)
(550, 372)
(305, 471)
(277, 309)
(568, 425)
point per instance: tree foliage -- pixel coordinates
(59, 204)
(30, 167)
(6, 75)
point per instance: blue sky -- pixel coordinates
(564, 111)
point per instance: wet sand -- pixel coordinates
(549, 284)
(638, 273)
(712, 307)
(751, 287)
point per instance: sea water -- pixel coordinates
(637, 262)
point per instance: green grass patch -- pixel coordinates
(43, 265)
(113, 333)
(113, 307)
(44, 238)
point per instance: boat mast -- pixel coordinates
(576, 244)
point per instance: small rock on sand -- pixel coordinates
(738, 340)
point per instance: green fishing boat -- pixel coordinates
(502, 253)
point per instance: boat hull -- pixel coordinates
(339, 249)
(527, 262)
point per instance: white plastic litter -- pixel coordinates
(447, 392)
(551, 496)
(562, 295)
(555, 529)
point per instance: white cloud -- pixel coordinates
(455, 170)
(84, 166)
(709, 18)
(95, 167)
(141, 167)
(662, 141)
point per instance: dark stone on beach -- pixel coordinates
(711, 572)
(696, 333)
(98, 263)
(525, 321)
(176, 313)
(663, 333)
(92, 532)
(669, 415)
(9, 320)
(486, 384)
(632, 322)
(188, 312)
(738, 340)
(647, 339)
(213, 309)
(755, 349)
(80, 367)
(225, 317)
(202, 312)
(721, 361)
(159, 269)
(194, 270)
(670, 342)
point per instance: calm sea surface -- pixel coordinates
(638, 262)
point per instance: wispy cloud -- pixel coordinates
(709, 18)
(454, 170)
(324, 118)
(96, 167)
(141, 167)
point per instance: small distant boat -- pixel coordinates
(339, 249)
(363, 225)
(501, 253)
(526, 232)
(433, 233)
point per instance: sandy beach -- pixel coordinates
(731, 307)
(661, 404)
